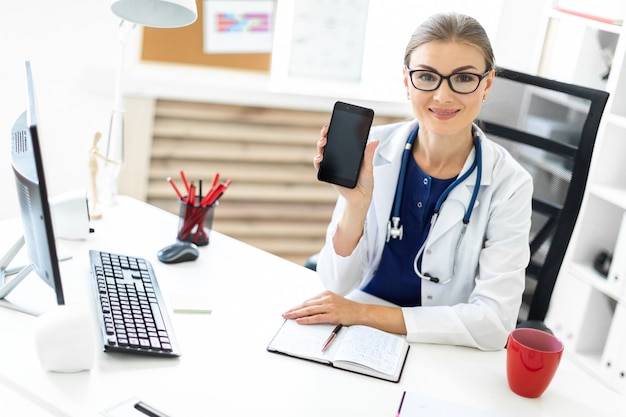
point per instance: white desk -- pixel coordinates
(225, 369)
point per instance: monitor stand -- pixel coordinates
(31, 304)
(7, 286)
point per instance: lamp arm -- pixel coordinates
(115, 139)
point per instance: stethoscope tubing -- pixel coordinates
(394, 228)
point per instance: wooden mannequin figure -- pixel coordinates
(94, 155)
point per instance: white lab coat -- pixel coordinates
(480, 305)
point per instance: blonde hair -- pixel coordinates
(451, 27)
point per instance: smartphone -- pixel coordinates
(348, 131)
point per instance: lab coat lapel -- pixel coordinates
(455, 206)
(453, 209)
(387, 161)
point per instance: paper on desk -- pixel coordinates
(192, 303)
(415, 405)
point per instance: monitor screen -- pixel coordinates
(28, 169)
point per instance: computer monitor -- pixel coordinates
(38, 238)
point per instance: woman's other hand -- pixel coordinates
(326, 307)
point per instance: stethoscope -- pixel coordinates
(394, 225)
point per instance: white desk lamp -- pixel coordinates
(152, 13)
(156, 13)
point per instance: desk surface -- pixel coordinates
(224, 368)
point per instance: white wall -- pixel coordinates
(389, 27)
(518, 40)
(73, 47)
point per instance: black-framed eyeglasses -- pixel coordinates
(459, 82)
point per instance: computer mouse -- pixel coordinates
(178, 252)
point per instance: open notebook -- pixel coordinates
(360, 349)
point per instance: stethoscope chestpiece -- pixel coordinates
(394, 231)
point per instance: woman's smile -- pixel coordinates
(443, 114)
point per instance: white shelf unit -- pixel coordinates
(588, 309)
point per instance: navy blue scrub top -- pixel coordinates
(395, 280)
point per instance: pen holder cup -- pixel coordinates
(195, 223)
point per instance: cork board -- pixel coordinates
(184, 46)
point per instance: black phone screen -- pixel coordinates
(348, 131)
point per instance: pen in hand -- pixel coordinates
(332, 337)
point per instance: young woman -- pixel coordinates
(443, 235)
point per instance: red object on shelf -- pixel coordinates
(602, 19)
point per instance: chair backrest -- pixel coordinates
(550, 127)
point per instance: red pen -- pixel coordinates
(185, 182)
(209, 198)
(216, 193)
(214, 184)
(216, 178)
(191, 198)
(171, 181)
(216, 196)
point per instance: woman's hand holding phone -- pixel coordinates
(365, 183)
(345, 160)
(346, 137)
(357, 199)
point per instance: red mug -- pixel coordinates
(532, 359)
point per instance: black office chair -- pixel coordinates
(550, 127)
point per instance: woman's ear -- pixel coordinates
(407, 83)
(489, 83)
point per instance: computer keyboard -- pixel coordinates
(132, 313)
